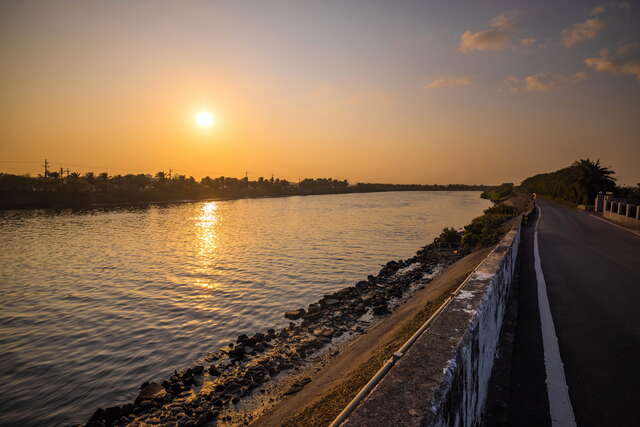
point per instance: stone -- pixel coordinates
(151, 391)
(98, 419)
(362, 285)
(380, 309)
(295, 314)
(237, 352)
(313, 308)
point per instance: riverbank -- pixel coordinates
(54, 191)
(251, 375)
(334, 385)
(260, 377)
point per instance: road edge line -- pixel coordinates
(634, 232)
(560, 408)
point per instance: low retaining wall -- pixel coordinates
(618, 210)
(443, 379)
(623, 219)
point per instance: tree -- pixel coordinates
(593, 179)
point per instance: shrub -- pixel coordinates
(450, 235)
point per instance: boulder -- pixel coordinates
(295, 314)
(151, 391)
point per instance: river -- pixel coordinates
(95, 302)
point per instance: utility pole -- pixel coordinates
(170, 170)
(46, 168)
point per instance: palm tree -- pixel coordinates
(592, 179)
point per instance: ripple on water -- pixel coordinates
(94, 303)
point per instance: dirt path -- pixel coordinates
(334, 385)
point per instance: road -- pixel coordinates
(592, 274)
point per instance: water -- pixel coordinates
(94, 303)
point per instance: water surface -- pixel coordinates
(94, 303)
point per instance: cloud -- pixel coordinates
(451, 81)
(497, 37)
(625, 60)
(543, 82)
(581, 31)
(528, 42)
(599, 10)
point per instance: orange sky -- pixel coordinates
(419, 92)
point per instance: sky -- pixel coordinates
(370, 91)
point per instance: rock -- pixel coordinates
(295, 314)
(323, 332)
(313, 308)
(362, 285)
(380, 309)
(213, 371)
(237, 352)
(297, 386)
(152, 390)
(198, 370)
(271, 333)
(293, 389)
(98, 419)
(310, 317)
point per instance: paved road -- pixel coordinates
(592, 273)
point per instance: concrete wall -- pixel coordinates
(443, 378)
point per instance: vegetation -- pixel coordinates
(450, 235)
(578, 183)
(499, 193)
(75, 190)
(631, 194)
(484, 231)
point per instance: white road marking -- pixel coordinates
(560, 407)
(634, 232)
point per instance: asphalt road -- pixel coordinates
(592, 273)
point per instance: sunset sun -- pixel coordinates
(205, 119)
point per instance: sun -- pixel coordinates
(205, 119)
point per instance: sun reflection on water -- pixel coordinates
(206, 229)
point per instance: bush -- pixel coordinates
(501, 210)
(450, 235)
(485, 230)
(499, 193)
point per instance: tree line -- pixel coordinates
(580, 183)
(76, 190)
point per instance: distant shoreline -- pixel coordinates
(38, 205)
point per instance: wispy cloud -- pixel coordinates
(600, 9)
(450, 81)
(581, 31)
(625, 60)
(498, 37)
(543, 82)
(528, 42)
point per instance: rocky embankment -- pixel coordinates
(200, 395)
